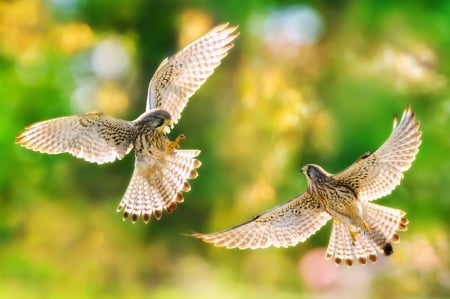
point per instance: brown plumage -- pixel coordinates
(161, 170)
(360, 228)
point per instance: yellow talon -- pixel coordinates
(366, 226)
(353, 236)
(172, 145)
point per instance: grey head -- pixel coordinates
(315, 173)
(153, 119)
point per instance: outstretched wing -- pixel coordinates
(94, 137)
(282, 226)
(179, 76)
(377, 174)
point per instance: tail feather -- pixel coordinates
(159, 188)
(384, 223)
(342, 250)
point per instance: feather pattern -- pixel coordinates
(152, 190)
(179, 76)
(360, 228)
(94, 137)
(161, 170)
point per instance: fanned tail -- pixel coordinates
(384, 223)
(160, 187)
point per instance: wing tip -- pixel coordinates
(220, 27)
(409, 120)
(395, 122)
(25, 137)
(196, 235)
(229, 34)
(19, 139)
(205, 238)
(225, 26)
(408, 114)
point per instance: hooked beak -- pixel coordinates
(168, 125)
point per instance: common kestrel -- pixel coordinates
(161, 170)
(360, 228)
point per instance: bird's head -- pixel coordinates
(157, 119)
(315, 173)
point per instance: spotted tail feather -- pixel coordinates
(160, 187)
(384, 223)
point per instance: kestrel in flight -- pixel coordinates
(161, 170)
(360, 228)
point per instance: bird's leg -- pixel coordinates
(365, 225)
(353, 235)
(172, 145)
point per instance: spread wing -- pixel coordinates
(377, 174)
(94, 137)
(283, 226)
(179, 76)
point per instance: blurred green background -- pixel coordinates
(307, 82)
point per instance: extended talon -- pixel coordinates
(172, 145)
(366, 226)
(353, 235)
